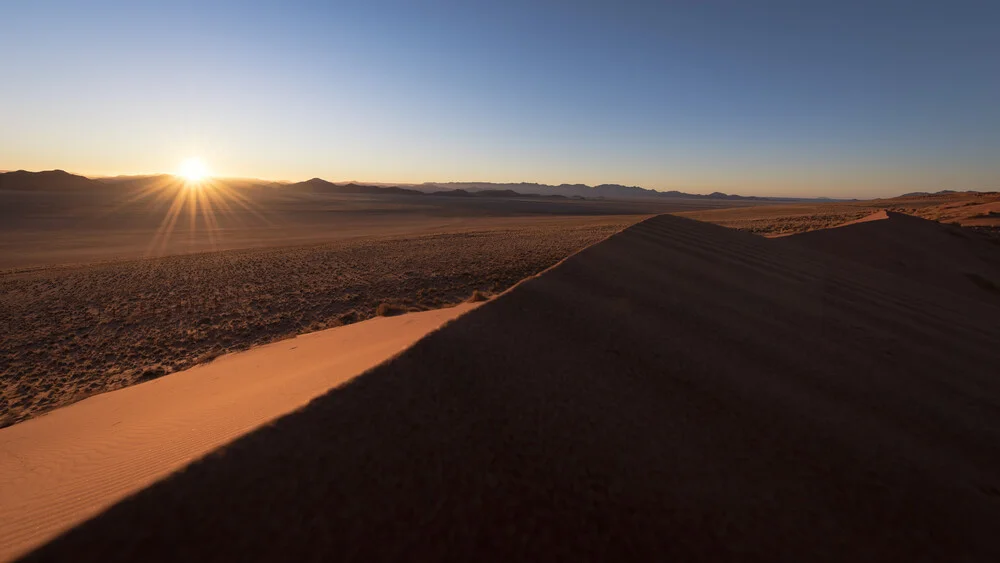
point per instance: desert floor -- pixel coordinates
(41, 228)
(72, 331)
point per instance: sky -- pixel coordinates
(781, 98)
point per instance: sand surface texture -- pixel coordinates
(680, 391)
(60, 469)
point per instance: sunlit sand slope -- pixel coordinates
(60, 469)
(679, 392)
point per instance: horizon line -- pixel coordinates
(99, 177)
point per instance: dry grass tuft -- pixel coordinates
(476, 297)
(390, 310)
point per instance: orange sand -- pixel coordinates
(59, 470)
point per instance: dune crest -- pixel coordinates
(944, 256)
(879, 215)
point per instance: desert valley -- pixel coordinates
(527, 280)
(96, 299)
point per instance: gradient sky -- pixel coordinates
(802, 97)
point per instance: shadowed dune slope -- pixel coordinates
(680, 390)
(946, 256)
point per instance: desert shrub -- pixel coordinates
(389, 310)
(152, 373)
(208, 356)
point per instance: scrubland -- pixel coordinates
(73, 331)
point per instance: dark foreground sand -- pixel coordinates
(680, 391)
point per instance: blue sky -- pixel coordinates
(773, 98)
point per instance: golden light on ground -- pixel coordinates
(193, 170)
(192, 197)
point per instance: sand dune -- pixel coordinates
(61, 469)
(680, 391)
(972, 209)
(946, 256)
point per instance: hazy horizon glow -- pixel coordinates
(845, 99)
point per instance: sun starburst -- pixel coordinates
(191, 197)
(193, 171)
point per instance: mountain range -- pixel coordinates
(59, 180)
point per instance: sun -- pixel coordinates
(193, 170)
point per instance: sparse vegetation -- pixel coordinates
(389, 310)
(476, 297)
(71, 332)
(968, 209)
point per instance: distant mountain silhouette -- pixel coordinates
(918, 194)
(606, 191)
(319, 185)
(49, 180)
(494, 193)
(452, 193)
(131, 178)
(61, 180)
